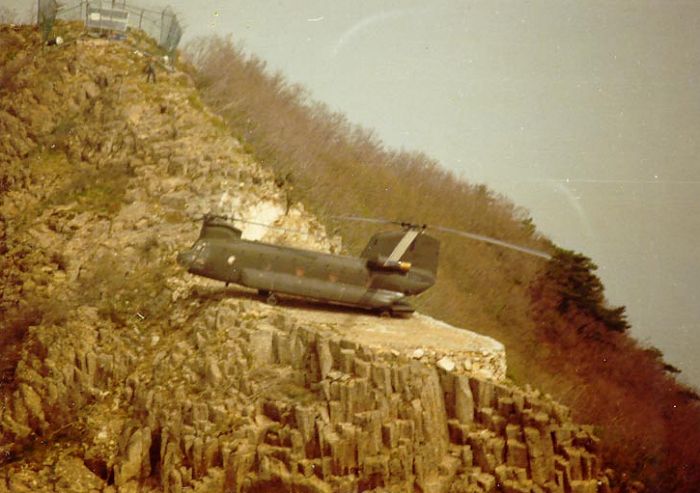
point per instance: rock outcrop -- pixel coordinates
(240, 397)
(132, 376)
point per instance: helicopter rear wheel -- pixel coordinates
(386, 313)
(271, 299)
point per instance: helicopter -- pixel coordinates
(393, 265)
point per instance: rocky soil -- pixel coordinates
(121, 373)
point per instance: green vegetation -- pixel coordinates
(569, 280)
(195, 102)
(559, 333)
(98, 190)
(120, 294)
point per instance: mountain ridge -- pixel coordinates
(123, 373)
(113, 353)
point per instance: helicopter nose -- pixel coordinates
(185, 258)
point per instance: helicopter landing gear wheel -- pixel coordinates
(271, 299)
(385, 313)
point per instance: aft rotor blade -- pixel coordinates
(403, 245)
(494, 241)
(473, 236)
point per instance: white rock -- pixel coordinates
(446, 364)
(335, 375)
(418, 354)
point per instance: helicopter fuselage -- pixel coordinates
(392, 266)
(278, 269)
(221, 254)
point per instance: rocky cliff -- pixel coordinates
(123, 373)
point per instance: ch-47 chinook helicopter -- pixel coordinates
(393, 265)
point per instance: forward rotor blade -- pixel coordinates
(366, 219)
(493, 241)
(276, 228)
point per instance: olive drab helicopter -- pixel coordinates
(393, 265)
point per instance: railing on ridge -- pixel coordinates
(161, 25)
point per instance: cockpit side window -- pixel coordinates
(199, 252)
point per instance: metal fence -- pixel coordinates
(161, 25)
(112, 18)
(46, 16)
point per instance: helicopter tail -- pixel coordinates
(406, 249)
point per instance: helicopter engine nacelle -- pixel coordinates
(384, 264)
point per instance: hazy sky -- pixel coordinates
(586, 113)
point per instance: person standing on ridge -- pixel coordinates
(150, 70)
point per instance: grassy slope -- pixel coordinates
(648, 421)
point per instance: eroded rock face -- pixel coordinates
(243, 398)
(138, 377)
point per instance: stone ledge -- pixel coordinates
(419, 337)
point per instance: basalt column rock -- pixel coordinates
(254, 401)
